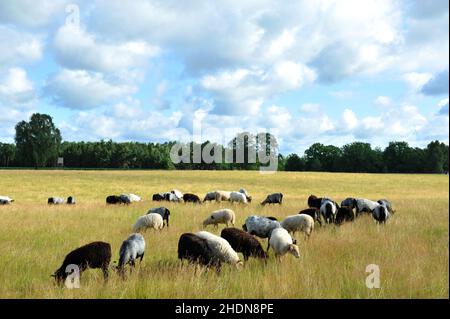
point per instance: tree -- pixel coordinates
(358, 157)
(38, 140)
(7, 153)
(294, 163)
(322, 157)
(436, 157)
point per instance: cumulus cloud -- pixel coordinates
(383, 101)
(437, 85)
(79, 89)
(18, 47)
(16, 89)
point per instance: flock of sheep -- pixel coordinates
(210, 250)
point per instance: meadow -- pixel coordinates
(411, 250)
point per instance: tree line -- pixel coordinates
(38, 143)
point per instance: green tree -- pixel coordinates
(436, 157)
(294, 163)
(38, 140)
(7, 154)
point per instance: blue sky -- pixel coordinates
(306, 71)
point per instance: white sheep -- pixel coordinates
(134, 198)
(365, 205)
(260, 226)
(221, 216)
(221, 248)
(177, 193)
(222, 195)
(131, 249)
(5, 200)
(238, 197)
(328, 210)
(151, 220)
(281, 243)
(299, 222)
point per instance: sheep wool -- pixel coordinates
(281, 242)
(222, 216)
(300, 222)
(151, 220)
(221, 249)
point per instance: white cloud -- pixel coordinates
(383, 101)
(79, 89)
(417, 80)
(349, 119)
(15, 88)
(31, 13)
(310, 107)
(18, 47)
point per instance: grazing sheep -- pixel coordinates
(381, 214)
(158, 197)
(177, 193)
(349, 202)
(221, 216)
(151, 220)
(275, 198)
(328, 210)
(113, 199)
(125, 198)
(260, 226)
(388, 205)
(301, 222)
(314, 201)
(131, 249)
(163, 211)
(71, 200)
(171, 197)
(344, 214)
(222, 195)
(94, 255)
(134, 198)
(222, 252)
(210, 196)
(191, 198)
(247, 196)
(314, 213)
(195, 249)
(55, 200)
(365, 205)
(238, 197)
(243, 242)
(4, 200)
(282, 243)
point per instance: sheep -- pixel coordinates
(125, 199)
(177, 193)
(275, 198)
(260, 226)
(282, 243)
(131, 249)
(244, 243)
(247, 196)
(151, 220)
(222, 195)
(314, 201)
(388, 205)
(163, 211)
(191, 198)
(365, 205)
(314, 213)
(381, 214)
(195, 249)
(221, 216)
(158, 197)
(113, 199)
(344, 214)
(238, 197)
(301, 222)
(4, 200)
(328, 210)
(55, 200)
(93, 255)
(134, 198)
(210, 196)
(171, 197)
(71, 200)
(222, 252)
(349, 202)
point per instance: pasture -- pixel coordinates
(412, 249)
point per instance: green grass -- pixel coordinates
(411, 250)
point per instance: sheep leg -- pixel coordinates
(105, 273)
(268, 246)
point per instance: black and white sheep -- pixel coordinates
(222, 252)
(328, 210)
(93, 255)
(163, 211)
(388, 205)
(131, 249)
(221, 216)
(158, 197)
(344, 214)
(177, 193)
(349, 202)
(195, 249)
(365, 205)
(282, 243)
(260, 226)
(314, 213)
(191, 198)
(244, 243)
(71, 200)
(381, 214)
(55, 200)
(113, 199)
(4, 200)
(275, 198)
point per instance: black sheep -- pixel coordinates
(94, 255)
(191, 198)
(195, 249)
(314, 201)
(243, 242)
(276, 198)
(158, 197)
(314, 213)
(344, 214)
(113, 199)
(71, 200)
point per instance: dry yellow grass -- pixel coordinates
(411, 250)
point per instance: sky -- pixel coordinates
(328, 71)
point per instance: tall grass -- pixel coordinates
(411, 250)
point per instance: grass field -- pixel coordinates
(412, 250)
